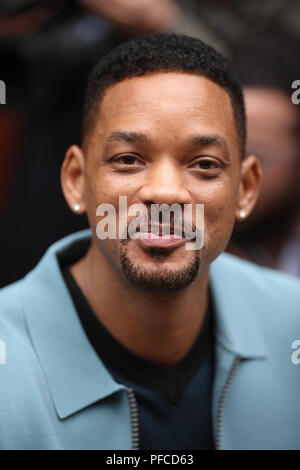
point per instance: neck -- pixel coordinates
(158, 327)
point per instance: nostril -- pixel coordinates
(148, 203)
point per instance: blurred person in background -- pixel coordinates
(46, 51)
(270, 236)
(224, 23)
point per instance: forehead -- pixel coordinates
(172, 104)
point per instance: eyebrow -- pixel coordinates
(196, 140)
(120, 136)
(212, 139)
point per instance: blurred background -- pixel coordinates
(47, 48)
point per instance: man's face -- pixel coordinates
(273, 136)
(164, 138)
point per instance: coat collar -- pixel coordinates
(74, 373)
(240, 299)
(76, 376)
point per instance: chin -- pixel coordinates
(157, 272)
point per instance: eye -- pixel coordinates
(207, 165)
(127, 160)
(126, 163)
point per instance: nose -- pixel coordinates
(164, 185)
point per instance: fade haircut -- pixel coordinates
(163, 53)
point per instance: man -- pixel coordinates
(271, 235)
(139, 342)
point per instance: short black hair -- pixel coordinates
(163, 52)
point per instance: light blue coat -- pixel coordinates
(56, 394)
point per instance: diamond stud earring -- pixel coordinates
(243, 213)
(76, 206)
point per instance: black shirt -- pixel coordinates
(174, 402)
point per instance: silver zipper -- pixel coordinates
(134, 418)
(222, 401)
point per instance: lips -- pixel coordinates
(151, 239)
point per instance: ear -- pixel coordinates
(72, 179)
(251, 176)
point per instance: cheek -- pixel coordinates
(219, 215)
(106, 188)
(100, 190)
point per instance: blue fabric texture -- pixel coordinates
(57, 394)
